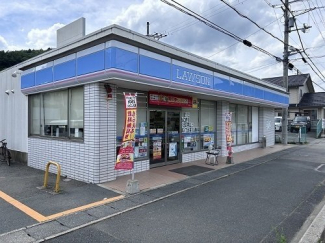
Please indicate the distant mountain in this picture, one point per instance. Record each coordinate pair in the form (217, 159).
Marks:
(11, 58)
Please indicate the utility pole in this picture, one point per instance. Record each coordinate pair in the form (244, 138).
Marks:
(156, 36)
(285, 71)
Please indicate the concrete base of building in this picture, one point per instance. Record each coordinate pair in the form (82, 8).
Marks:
(18, 156)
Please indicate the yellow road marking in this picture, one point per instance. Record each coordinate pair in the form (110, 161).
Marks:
(40, 218)
(57, 215)
(22, 207)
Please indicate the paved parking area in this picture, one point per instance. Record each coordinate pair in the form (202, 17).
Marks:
(22, 202)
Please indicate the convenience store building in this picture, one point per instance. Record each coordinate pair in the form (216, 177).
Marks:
(72, 104)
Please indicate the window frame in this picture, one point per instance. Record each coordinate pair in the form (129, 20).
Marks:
(249, 123)
(42, 116)
(214, 132)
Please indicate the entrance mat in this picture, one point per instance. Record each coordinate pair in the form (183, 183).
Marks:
(191, 170)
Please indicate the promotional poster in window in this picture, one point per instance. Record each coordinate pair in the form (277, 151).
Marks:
(125, 157)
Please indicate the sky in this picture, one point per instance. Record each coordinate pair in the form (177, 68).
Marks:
(33, 24)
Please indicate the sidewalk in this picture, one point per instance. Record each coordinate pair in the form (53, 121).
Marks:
(162, 176)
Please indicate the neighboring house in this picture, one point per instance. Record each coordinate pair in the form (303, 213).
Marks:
(313, 104)
(299, 86)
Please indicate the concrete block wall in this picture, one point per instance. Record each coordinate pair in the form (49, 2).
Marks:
(105, 134)
(245, 147)
(190, 157)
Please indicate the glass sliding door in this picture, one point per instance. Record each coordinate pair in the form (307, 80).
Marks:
(157, 137)
(173, 128)
(164, 137)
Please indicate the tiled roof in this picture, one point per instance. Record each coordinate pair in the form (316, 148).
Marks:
(293, 80)
(313, 100)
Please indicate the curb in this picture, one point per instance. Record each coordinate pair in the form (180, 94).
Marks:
(316, 229)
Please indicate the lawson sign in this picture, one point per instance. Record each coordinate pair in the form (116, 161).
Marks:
(192, 77)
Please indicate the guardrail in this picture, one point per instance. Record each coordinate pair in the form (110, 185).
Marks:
(46, 176)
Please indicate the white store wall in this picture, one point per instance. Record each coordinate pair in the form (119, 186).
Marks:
(13, 112)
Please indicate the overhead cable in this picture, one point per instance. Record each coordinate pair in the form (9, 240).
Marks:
(290, 66)
(244, 16)
(207, 22)
(303, 49)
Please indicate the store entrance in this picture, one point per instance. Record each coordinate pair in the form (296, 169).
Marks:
(164, 137)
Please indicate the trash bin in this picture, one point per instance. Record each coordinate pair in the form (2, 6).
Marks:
(264, 141)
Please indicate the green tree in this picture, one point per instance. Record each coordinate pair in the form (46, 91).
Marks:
(11, 58)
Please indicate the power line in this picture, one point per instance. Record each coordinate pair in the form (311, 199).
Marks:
(282, 41)
(260, 67)
(238, 42)
(303, 49)
(261, 28)
(186, 24)
(207, 22)
(244, 16)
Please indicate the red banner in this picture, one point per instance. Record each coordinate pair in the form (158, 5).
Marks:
(228, 133)
(125, 157)
(156, 98)
(228, 128)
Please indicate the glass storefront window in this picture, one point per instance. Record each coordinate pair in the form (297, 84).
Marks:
(242, 124)
(190, 130)
(250, 124)
(208, 115)
(35, 114)
(56, 113)
(76, 112)
(141, 136)
(50, 114)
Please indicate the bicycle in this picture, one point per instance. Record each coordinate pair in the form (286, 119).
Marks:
(4, 152)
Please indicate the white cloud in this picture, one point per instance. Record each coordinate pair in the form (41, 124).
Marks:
(43, 38)
(3, 43)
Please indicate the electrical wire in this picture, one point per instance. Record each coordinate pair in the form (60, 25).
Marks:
(256, 24)
(186, 24)
(303, 47)
(261, 28)
(260, 67)
(312, 16)
(238, 42)
(207, 22)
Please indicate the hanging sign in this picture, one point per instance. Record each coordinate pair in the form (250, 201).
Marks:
(156, 98)
(125, 157)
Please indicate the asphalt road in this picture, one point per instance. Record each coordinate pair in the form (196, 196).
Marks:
(259, 204)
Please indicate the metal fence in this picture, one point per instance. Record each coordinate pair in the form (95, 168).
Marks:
(319, 128)
(302, 135)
